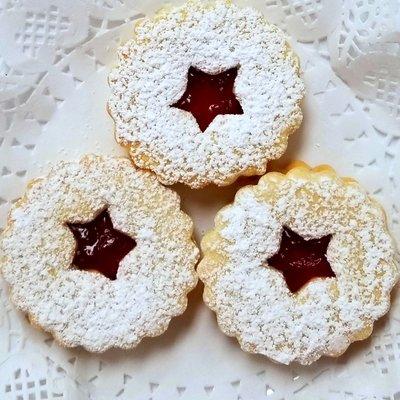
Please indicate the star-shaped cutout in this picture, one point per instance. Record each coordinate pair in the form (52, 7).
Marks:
(99, 246)
(301, 260)
(207, 96)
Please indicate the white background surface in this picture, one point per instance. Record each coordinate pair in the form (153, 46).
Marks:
(54, 60)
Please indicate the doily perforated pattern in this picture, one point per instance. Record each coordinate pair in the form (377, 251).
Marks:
(54, 60)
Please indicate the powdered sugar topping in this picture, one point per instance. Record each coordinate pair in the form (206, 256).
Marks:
(85, 308)
(252, 300)
(152, 75)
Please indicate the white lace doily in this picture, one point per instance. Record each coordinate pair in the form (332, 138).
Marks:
(54, 60)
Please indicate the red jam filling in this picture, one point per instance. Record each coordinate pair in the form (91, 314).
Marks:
(207, 96)
(301, 260)
(99, 246)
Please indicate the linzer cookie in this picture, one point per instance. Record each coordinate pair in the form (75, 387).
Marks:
(205, 93)
(99, 254)
(299, 266)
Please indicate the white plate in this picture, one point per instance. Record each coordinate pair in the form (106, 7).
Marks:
(54, 60)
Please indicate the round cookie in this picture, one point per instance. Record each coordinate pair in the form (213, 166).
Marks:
(99, 254)
(299, 266)
(205, 93)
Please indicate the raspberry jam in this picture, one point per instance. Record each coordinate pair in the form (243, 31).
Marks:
(301, 260)
(99, 246)
(207, 96)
